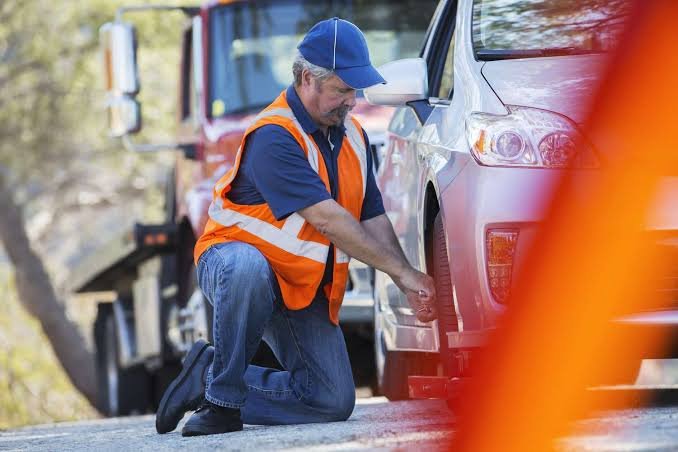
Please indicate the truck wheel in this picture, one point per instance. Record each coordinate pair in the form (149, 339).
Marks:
(121, 391)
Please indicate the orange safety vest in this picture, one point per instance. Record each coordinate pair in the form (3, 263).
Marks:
(296, 251)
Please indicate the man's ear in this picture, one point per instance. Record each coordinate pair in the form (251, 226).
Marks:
(306, 78)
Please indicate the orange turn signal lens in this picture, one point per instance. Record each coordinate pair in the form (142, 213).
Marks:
(501, 246)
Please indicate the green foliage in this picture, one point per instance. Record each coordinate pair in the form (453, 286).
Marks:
(64, 170)
(33, 386)
(51, 90)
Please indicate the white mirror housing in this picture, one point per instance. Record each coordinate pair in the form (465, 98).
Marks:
(119, 48)
(124, 115)
(406, 81)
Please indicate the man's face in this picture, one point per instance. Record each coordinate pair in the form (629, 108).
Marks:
(331, 100)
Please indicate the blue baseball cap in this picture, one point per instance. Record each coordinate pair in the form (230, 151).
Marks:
(339, 45)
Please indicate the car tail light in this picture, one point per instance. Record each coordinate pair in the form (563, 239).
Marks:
(528, 137)
(501, 246)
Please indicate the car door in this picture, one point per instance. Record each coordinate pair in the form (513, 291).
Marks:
(404, 172)
(397, 180)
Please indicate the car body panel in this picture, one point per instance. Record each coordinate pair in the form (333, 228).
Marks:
(554, 83)
(474, 198)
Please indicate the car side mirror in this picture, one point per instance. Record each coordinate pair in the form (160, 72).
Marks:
(406, 81)
(119, 49)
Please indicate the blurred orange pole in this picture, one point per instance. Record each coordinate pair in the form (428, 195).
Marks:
(592, 261)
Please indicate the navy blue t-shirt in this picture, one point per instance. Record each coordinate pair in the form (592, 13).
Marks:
(274, 170)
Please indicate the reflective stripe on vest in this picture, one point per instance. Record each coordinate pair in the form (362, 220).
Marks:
(285, 238)
(357, 140)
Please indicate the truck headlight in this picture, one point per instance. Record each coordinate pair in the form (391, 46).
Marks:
(528, 137)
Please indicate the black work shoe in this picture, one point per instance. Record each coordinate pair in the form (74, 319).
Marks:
(187, 390)
(211, 419)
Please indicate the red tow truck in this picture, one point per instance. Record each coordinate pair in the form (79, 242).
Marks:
(236, 57)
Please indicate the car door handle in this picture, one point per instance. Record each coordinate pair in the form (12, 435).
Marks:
(396, 158)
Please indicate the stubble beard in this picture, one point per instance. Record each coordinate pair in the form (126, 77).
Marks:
(340, 112)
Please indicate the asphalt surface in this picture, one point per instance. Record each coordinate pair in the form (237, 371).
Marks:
(375, 424)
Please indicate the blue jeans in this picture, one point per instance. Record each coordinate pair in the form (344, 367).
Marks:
(317, 383)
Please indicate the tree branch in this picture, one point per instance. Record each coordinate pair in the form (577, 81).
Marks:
(38, 296)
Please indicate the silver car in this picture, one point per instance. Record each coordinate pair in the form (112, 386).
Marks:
(487, 119)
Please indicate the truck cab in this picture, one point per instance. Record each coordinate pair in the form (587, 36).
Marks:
(236, 57)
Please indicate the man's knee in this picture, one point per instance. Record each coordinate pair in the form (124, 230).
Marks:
(247, 261)
(245, 270)
(245, 276)
(345, 405)
(339, 404)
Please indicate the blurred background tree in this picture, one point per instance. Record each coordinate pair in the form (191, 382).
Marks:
(65, 187)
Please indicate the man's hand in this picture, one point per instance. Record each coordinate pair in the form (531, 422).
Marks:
(420, 292)
(378, 248)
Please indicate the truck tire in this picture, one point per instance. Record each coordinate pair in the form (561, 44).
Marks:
(121, 392)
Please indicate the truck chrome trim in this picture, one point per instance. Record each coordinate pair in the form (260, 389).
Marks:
(198, 70)
(126, 349)
(147, 308)
(356, 308)
(170, 291)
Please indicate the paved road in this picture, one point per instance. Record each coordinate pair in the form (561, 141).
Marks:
(375, 424)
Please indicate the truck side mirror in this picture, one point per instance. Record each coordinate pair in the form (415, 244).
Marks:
(119, 49)
(124, 115)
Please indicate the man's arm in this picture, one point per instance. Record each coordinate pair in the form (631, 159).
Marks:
(380, 229)
(335, 223)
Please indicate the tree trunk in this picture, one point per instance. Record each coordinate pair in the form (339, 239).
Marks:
(37, 295)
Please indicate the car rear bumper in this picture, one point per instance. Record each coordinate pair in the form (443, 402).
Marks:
(482, 199)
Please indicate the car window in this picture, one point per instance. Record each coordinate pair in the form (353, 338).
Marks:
(536, 28)
(440, 60)
(447, 77)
